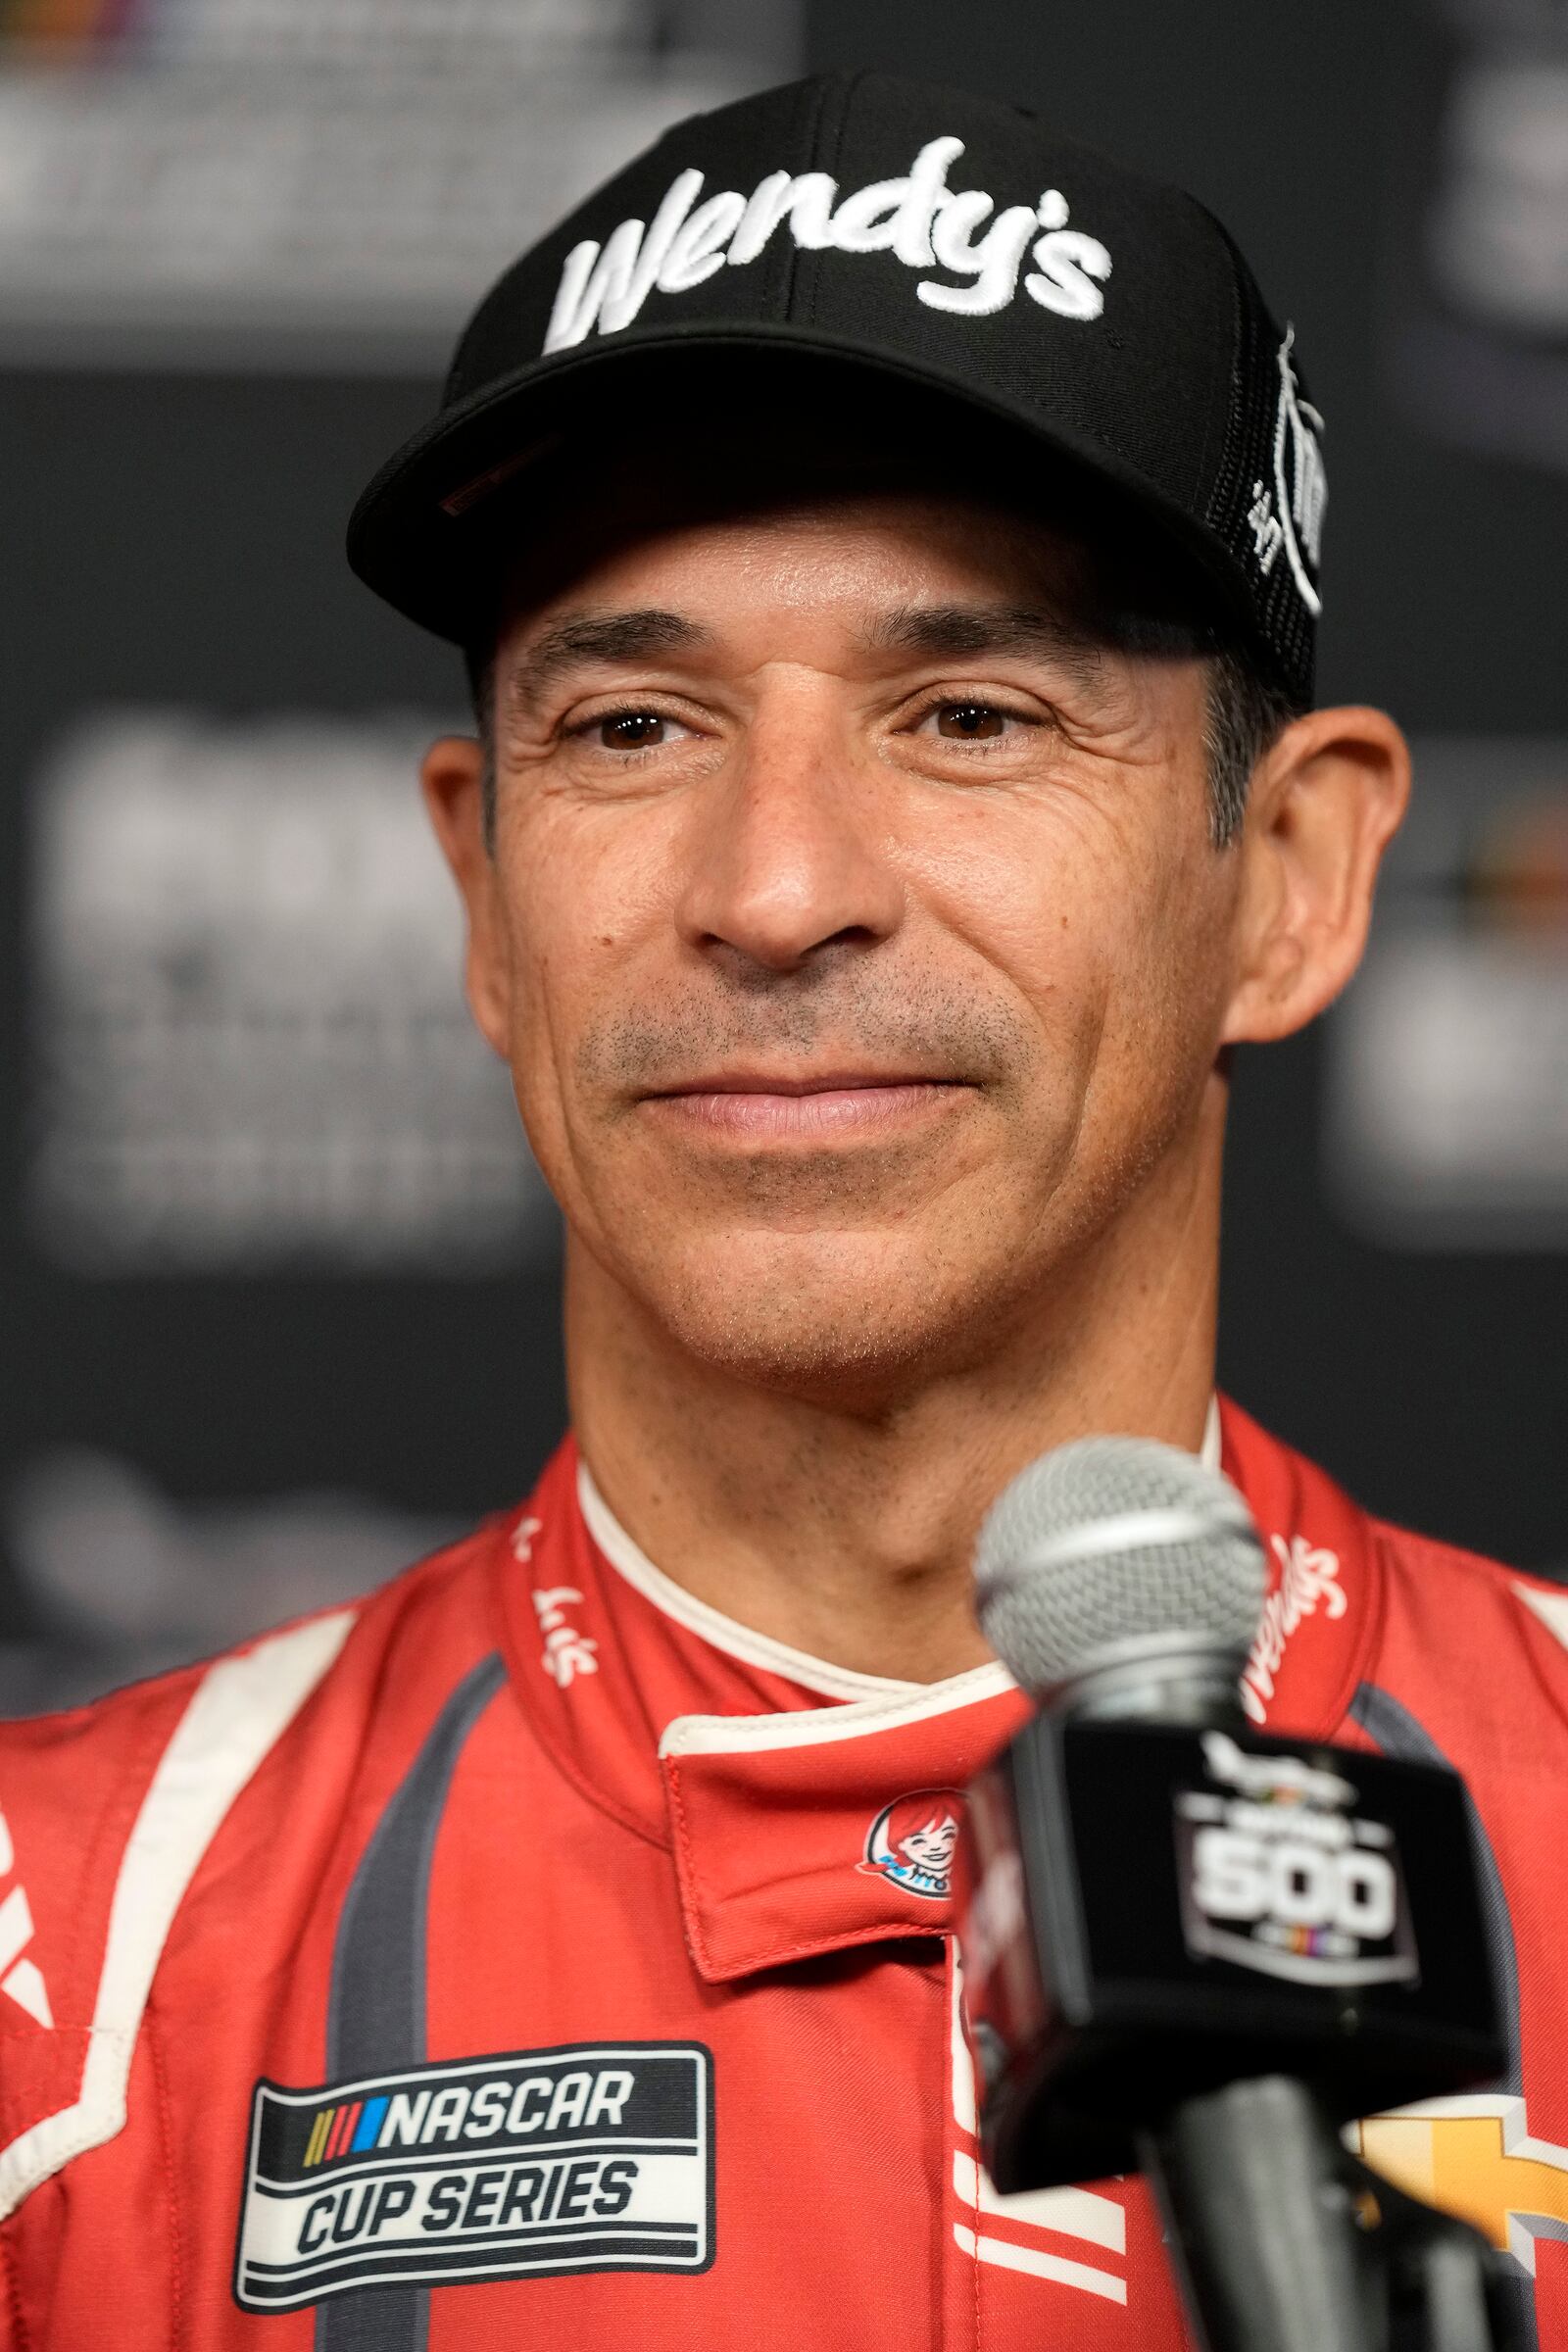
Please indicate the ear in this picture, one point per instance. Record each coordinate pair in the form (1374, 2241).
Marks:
(1326, 800)
(453, 779)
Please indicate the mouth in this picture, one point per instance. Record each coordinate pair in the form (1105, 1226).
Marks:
(762, 1104)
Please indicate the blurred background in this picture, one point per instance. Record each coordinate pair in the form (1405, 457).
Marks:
(279, 1280)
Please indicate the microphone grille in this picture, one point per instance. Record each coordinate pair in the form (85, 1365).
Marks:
(1106, 1540)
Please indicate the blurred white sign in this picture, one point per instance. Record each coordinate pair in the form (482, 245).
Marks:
(1499, 229)
(1447, 1118)
(250, 1044)
(1479, 316)
(121, 1582)
(322, 183)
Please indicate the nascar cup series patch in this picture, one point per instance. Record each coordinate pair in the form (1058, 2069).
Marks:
(595, 2157)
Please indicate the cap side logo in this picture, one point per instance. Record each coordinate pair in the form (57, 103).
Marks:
(1287, 516)
(916, 217)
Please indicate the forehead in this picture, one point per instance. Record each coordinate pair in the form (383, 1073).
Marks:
(817, 549)
(848, 507)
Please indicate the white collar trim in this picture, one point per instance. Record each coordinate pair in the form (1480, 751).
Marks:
(723, 1633)
(887, 1693)
(815, 1727)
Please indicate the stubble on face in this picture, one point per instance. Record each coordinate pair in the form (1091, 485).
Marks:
(857, 1277)
(814, 1287)
(851, 1276)
(844, 1008)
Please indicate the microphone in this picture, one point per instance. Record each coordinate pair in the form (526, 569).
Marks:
(1118, 1575)
(1194, 1949)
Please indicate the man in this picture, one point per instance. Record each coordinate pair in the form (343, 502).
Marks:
(885, 542)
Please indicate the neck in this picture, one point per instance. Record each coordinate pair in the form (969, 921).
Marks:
(850, 1535)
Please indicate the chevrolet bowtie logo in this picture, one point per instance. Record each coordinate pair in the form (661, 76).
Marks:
(1474, 2157)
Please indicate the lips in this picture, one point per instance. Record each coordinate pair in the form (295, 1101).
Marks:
(826, 1105)
(815, 1082)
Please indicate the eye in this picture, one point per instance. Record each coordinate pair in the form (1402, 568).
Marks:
(632, 730)
(970, 721)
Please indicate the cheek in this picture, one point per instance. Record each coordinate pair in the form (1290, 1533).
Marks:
(1041, 910)
(1163, 1002)
(583, 898)
(1113, 937)
(562, 904)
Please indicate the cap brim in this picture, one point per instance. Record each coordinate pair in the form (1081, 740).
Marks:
(423, 534)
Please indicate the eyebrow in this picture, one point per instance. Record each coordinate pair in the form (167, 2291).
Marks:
(947, 631)
(937, 631)
(584, 637)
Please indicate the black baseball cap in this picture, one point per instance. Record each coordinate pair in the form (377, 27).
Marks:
(916, 236)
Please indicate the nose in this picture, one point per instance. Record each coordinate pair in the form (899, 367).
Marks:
(789, 856)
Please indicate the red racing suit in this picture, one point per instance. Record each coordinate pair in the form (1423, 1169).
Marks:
(531, 1955)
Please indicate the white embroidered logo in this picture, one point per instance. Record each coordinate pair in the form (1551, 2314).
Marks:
(1308, 1576)
(567, 1652)
(20, 1977)
(918, 217)
(1300, 483)
(1268, 532)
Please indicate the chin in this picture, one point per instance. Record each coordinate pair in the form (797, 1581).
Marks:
(841, 1319)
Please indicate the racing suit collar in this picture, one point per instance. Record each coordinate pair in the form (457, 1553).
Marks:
(790, 1830)
(804, 1804)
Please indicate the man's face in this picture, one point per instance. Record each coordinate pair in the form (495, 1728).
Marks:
(854, 934)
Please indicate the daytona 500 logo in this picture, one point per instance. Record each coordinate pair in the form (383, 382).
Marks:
(1277, 1873)
(595, 2157)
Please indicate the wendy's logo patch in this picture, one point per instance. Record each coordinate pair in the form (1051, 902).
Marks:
(912, 1842)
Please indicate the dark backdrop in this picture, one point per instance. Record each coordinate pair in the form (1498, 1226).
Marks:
(174, 542)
